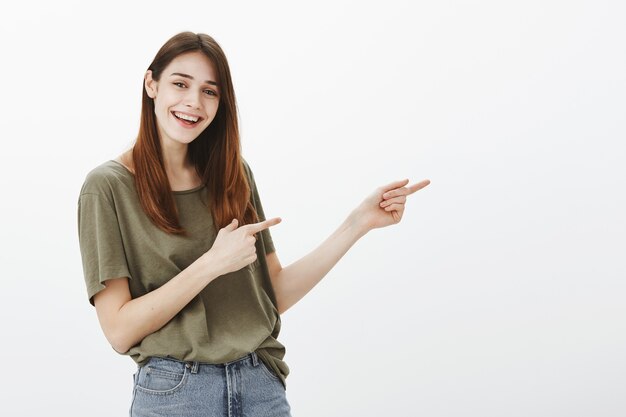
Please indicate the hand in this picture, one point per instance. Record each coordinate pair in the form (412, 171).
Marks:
(385, 206)
(234, 247)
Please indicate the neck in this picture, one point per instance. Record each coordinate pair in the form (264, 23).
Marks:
(175, 157)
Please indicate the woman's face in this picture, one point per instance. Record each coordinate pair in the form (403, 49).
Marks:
(185, 98)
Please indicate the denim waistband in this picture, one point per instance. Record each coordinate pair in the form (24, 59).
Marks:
(195, 366)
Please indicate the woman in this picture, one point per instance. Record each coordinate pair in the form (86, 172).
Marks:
(177, 255)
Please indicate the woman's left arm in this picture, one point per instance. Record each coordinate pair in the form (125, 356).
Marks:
(383, 207)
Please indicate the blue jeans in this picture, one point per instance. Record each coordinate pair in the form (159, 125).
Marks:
(242, 388)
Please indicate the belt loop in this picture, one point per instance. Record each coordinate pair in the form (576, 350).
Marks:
(255, 359)
(193, 366)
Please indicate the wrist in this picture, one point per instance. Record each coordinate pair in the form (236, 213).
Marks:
(206, 267)
(356, 222)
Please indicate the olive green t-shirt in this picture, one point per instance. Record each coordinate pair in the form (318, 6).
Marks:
(231, 317)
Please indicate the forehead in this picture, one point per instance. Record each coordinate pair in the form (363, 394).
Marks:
(195, 64)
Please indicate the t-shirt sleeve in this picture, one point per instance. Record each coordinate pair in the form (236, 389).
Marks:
(100, 242)
(268, 243)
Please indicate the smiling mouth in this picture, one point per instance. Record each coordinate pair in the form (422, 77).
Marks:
(187, 119)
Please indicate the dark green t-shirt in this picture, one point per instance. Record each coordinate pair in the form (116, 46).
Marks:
(231, 317)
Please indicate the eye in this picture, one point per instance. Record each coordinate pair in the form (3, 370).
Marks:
(210, 92)
(179, 84)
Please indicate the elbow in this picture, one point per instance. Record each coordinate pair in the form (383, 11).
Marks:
(121, 349)
(119, 343)
(119, 335)
(281, 307)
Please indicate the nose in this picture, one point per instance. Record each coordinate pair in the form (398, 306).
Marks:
(192, 99)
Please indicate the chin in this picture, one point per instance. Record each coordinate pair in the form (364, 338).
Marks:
(184, 136)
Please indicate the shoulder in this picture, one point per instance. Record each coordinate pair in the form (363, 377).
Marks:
(248, 171)
(106, 179)
(246, 165)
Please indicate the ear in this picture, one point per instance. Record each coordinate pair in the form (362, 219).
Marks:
(150, 84)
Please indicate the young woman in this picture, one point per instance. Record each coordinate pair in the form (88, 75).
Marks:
(177, 254)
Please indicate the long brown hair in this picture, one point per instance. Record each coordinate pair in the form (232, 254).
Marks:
(215, 153)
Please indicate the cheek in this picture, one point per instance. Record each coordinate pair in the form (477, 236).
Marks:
(162, 114)
(214, 105)
(211, 109)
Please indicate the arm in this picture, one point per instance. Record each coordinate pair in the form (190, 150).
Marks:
(296, 280)
(383, 207)
(126, 321)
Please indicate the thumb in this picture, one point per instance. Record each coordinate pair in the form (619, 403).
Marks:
(232, 225)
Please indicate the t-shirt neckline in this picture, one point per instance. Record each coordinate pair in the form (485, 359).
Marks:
(192, 190)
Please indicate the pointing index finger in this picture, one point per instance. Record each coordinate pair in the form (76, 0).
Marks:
(257, 227)
(395, 184)
(416, 187)
(407, 190)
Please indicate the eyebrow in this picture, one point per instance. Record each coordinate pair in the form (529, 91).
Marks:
(191, 78)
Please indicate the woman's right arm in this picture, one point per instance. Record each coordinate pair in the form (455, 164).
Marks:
(126, 321)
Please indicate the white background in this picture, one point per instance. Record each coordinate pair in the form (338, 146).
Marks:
(501, 293)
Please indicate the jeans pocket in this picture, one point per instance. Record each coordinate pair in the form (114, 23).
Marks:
(267, 371)
(152, 379)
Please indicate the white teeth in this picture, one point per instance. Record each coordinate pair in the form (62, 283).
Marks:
(186, 117)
